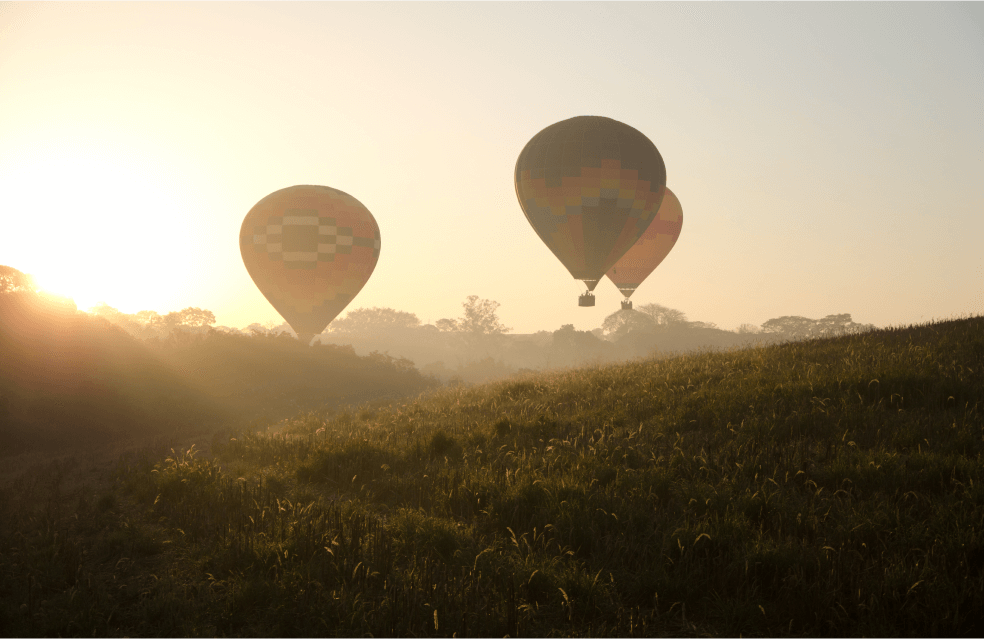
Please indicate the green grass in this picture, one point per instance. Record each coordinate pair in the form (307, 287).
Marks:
(829, 487)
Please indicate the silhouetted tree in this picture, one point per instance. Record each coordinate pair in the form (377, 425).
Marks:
(177, 321)
(375, 321)
(840, 324)
(789, 327)
(23, 304)
(149, 324)
(571, 346)
(147, 317)
(662, 315)
(701, 325)
(796, 327)
(446, 325)
(196, 317)
(137, 324)
(480, 318)
(12, 280)
(622, 322)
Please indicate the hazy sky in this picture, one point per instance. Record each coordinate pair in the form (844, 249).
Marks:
(829, 157)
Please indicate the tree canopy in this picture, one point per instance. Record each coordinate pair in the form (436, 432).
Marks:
(13, 281)
(571, 346)
(662, 315)
(374, 321)
(190, 317)
(623, 321)
(479, 318)
(152, 323)
(798, 327)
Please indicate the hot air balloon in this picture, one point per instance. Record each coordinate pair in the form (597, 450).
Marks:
(647, 253)
(310, 250)
(589, 186)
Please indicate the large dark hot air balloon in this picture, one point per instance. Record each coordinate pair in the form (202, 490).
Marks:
(590, 186)
(650, 249)
(310, 250)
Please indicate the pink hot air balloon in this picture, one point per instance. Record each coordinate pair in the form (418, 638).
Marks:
(651, 248)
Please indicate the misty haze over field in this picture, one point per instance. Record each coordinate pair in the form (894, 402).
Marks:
(477, 346)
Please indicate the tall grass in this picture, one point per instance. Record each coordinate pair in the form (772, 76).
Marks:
(829, 487)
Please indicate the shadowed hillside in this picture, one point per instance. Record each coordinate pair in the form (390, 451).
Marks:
(267, 378)
(826, 487)
(68, 378)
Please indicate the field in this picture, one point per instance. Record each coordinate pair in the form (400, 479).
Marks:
(827, 487)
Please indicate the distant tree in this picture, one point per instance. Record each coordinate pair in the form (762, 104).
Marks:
(571, 346)
(446, 325)
(840, 324)
(373, 321)
(701, 325)
(104, 310)
(790, 327)
(147, 318)
(565, 335)
(746, 329)
(196, 317)
(662, 315)
(13, 281)
(269, 329)
(479, 318)
(796, 327)
(19, 290)
(256, 329)
(283, 328)
(622, 322)
(112, 315)
(177, 321)
(143, 324)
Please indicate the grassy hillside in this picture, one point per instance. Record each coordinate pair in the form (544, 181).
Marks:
(830, 487)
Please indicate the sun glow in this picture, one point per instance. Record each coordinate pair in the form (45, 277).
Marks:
(70, 285)
(94, 227)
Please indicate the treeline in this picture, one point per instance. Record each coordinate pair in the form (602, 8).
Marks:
(477, 347)
(70, 378)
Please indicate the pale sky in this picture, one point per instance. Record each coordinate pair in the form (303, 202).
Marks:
(829, 157)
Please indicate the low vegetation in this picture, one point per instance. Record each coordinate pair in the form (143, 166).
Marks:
(825, 487)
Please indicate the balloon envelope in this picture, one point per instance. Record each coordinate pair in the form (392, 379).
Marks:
(589, 186)
(310, 250)
(654, 245)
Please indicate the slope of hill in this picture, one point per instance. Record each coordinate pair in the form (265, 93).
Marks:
(828, 487)
(67, 378)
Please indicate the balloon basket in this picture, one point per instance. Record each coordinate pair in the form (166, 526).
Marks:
(626, 305)
(588, 299)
